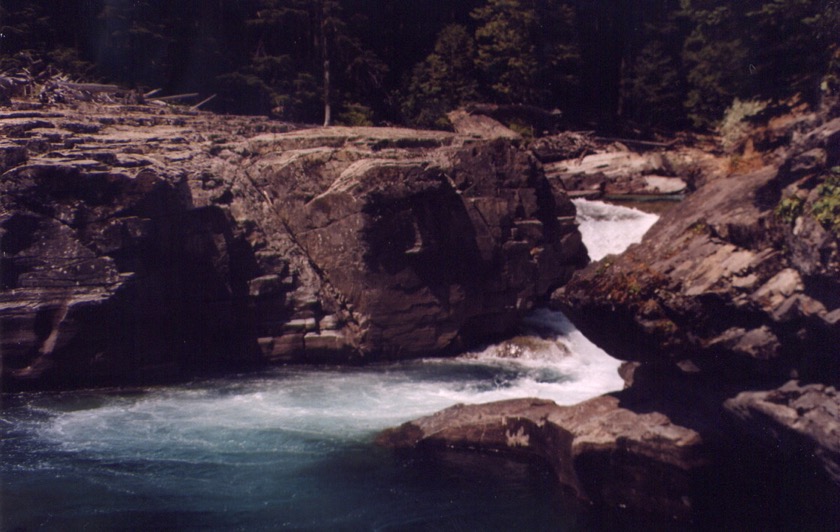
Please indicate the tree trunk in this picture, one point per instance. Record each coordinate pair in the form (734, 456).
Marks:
(327, 110)
(325, 50)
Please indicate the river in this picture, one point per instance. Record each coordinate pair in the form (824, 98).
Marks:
(291, 447)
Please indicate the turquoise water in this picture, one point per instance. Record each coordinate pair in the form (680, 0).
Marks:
(290, 449)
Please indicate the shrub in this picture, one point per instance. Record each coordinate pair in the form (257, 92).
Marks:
(826, 209)
(789, 209)
(734, 127)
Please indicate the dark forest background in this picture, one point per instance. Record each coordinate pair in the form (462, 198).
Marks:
(648, 64)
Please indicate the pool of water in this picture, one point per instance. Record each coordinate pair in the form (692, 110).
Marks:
(292, 447)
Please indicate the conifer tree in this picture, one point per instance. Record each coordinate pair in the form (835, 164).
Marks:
(444, 80)
(652, 85)
(558, 54)
(137, 40)
(716, 57)
(506, 56)
(789, 52)
(303, 56)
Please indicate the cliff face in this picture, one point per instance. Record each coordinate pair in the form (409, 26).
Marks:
(139, 242)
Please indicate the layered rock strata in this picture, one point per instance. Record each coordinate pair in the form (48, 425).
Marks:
(742, 281)
(738, 290)
(605, 451)
(142, 241)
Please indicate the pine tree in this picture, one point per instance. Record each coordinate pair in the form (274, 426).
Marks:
(138, 40)
(789, 53)
(652, 85)
(25, 26)
(445, 80)
(716, 58)
(558, 55)
(506, 55)
(304, 58)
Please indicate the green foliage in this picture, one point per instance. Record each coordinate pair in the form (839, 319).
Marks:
(445, 80)
(305, 53)
(506, 55)
(356, 114)
(523, 128)
(770, 49)
(137, 40)
(716, 59)
(734, 126)
(27, 28)
(789, 209)
(558, 53)
(699, 228)
(245, 92)
(67, 60)
(652, 63)
(789, 46)
(651, 87)
(826, 209)
(523, 51)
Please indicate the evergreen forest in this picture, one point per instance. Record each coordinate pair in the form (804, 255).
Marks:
(645, 64)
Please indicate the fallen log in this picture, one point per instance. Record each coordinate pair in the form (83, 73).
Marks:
(89, 87)
(202, 102)
(176, 97)
(650, 143)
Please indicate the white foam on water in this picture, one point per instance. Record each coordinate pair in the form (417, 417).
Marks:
(551, 360)
(610, 229)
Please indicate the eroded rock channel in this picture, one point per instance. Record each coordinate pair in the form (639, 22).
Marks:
(141, 243)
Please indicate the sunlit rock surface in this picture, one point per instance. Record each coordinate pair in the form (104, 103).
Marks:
(606, 451)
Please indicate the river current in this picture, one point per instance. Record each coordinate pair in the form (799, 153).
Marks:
(292, 447)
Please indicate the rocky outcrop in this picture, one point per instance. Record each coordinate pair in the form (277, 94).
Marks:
(798, 421)
(739, 289)
(728, 297)
(479, 126)
(613, 450)
(670, 451)
(743, 280)
(142, 241)
(593, 167)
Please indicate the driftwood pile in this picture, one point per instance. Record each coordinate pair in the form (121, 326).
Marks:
(47, 84)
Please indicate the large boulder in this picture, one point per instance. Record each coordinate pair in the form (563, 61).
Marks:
(612, 451)
(668, 452)
(140, 241)
(108, 277)
(416, 243)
